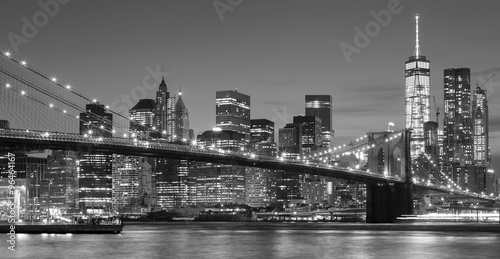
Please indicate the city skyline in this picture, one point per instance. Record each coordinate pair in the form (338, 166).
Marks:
(296, 56)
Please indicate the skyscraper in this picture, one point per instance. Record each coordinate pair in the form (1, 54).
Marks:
(481, 132)
(95, 177)
(164, 117)
(216, 183)
(310, 135)
(260, 183)
(131, 178)
(181, 119)
(458, 124)
(321, 106)
(62, 169)
(232, 112)
(417, 97)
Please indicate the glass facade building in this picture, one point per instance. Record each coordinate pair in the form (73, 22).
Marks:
(417, 98)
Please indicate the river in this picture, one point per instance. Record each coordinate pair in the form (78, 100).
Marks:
(256, 240)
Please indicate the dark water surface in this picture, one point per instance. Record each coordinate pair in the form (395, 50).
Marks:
(256, 240)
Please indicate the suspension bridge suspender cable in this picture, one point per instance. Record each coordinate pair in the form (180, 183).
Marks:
(45, 92)
(74, 92)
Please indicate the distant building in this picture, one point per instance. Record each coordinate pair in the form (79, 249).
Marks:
(232, 112)
(321, 107)
(95, 175)
(417, 97)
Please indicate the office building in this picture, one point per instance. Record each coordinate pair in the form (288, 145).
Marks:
(165, 114)
(181, 119)
(232, 112)
(260, 183)
(142, 119)
(95, 174)
(321, 107)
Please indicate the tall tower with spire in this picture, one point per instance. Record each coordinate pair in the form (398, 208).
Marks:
(164, 116)
(417, 96)
(181, 118)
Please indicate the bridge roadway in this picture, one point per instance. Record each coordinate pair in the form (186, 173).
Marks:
(24, 139)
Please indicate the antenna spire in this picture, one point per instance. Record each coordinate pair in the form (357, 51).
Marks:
(417, 48)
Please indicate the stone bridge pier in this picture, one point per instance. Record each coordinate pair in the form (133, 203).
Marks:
(391, 157)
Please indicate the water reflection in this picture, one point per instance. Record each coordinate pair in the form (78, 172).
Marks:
(248, 240)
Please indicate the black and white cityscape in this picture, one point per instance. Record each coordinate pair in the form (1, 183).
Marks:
(238, 129)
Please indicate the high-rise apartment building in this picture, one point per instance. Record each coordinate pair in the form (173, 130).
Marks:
(417, 97)
(458, 122)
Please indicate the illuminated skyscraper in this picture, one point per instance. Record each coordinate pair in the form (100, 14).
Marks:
(181, 119)
(417, 97)
(232, 112)
(480, 117)
(321, 106)
(95, 169)
(458, 123)
(260, 183)
(165, 117)
(142, 118)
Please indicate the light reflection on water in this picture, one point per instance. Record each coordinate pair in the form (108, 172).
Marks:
(256, 240)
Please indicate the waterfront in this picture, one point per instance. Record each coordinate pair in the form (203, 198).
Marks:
(258, 240)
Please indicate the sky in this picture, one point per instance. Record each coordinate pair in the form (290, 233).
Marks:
(275, 51)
